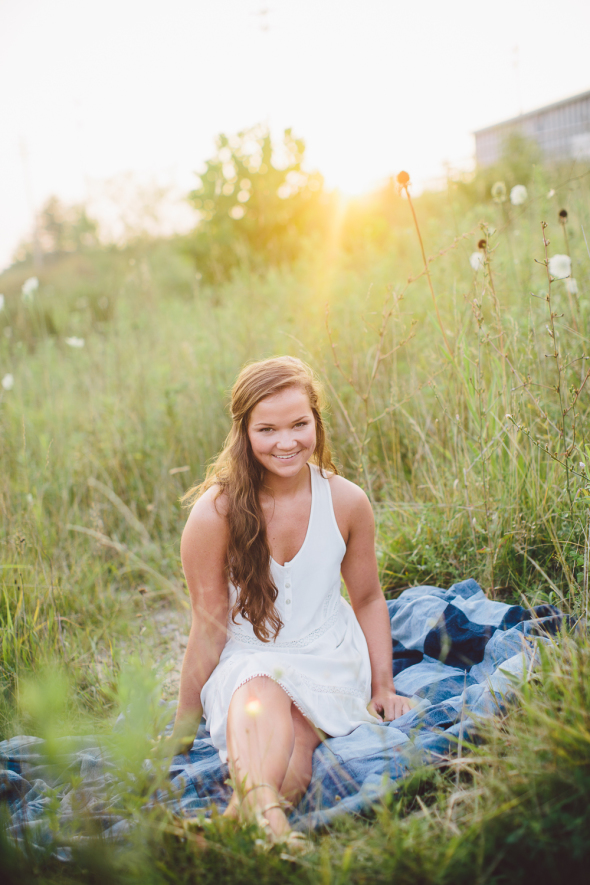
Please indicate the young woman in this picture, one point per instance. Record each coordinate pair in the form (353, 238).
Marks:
(278, 659)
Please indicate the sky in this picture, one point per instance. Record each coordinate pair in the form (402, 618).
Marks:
(92, 92)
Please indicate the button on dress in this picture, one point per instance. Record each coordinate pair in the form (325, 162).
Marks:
(320, 657)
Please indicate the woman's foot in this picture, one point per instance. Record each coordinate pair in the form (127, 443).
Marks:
(263, 803)
(233, 808)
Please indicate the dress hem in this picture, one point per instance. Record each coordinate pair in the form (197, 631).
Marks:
(285, 689)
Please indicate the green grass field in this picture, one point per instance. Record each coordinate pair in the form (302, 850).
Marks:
(473, 452)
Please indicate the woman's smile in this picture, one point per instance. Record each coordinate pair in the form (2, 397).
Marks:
(282, 431)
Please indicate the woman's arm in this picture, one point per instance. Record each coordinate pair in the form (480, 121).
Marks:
(203, 551)
(360, 573)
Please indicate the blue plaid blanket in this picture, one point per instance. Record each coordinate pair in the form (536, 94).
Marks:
(455, 652)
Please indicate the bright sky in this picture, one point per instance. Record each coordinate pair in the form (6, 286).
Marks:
(94, 89)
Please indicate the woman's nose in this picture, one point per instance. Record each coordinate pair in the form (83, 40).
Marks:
(286, 441)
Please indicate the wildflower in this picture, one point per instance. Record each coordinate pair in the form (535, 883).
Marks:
(482, 244)
(499, 192)
(563, 216)
(571, 286)
(2, 302)
(8, 382)
(29, 288)
(75, 342)
(476, 260)
(518, 195)
(403, 179)
(560, 266)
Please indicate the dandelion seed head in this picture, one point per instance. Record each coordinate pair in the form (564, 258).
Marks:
(518, 195)
(29, 287)
(75, 342)
(499, 192)
(8, 381)
(571, 286)
(403, 178)
(476, 260)
(550, 194)
(560, 266)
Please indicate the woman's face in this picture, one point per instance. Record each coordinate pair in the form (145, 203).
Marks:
(282, 432)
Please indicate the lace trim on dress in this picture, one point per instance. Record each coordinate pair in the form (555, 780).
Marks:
(292, 643)
(278, 681)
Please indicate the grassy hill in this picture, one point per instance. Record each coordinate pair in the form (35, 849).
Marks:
(116, 370)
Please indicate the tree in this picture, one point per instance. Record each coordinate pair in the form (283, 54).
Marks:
(256, 202)
(60, 228)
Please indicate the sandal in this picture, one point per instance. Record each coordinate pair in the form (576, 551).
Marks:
(296, 843)
(263, 822)
(195, 824)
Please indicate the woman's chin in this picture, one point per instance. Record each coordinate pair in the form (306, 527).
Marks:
(287, 466)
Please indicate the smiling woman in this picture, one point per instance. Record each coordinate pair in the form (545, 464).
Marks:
(278, 659)
(276, 436)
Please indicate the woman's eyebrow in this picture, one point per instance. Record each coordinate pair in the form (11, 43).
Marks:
(270, 424)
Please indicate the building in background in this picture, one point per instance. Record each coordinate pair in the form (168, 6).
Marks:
(561, 130)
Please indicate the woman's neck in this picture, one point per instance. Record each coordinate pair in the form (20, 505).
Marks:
(286, 486)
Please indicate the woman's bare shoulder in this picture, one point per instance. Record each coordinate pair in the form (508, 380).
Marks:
(346, 491)
(350, 502)
(207, 521)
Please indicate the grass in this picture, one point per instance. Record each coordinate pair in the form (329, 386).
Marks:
(98, 443)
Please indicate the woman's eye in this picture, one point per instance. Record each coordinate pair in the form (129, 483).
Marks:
(302, 424)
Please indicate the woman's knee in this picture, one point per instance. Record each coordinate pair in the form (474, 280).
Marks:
(259, 694)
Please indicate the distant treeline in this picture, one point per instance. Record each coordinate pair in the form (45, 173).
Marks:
(257, 207)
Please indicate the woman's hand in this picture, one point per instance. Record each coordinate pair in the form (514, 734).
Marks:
(165, 747)
(388, 705)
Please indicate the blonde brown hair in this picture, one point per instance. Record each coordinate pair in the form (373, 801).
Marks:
(239, 477)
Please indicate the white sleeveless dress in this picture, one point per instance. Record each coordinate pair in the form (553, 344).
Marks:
(320, 657)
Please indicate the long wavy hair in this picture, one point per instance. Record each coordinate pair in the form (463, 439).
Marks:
(239, 477)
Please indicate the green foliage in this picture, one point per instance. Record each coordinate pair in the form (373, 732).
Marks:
(97, 443)
(515, 807)
(371, 223)
(520, 163)
(257, 204)
(60, 228)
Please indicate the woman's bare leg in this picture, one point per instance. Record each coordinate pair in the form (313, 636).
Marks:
(298, 774)
(260, 743)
